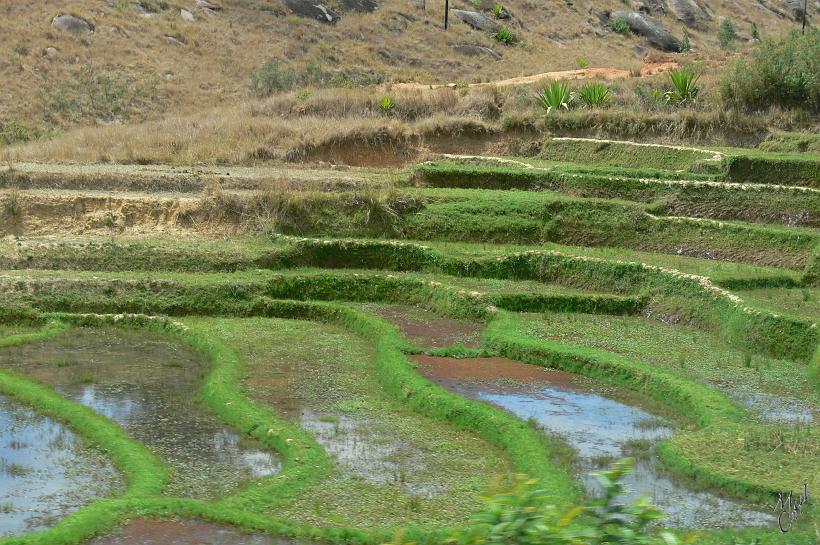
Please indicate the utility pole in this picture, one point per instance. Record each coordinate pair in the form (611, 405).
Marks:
(447, 13)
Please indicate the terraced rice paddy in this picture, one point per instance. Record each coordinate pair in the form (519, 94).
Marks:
(366, 368)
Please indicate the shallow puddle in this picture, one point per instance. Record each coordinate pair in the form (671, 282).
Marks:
(149, 385)
(429, 330)
(600, 428)
(179, 532)
(45, 472)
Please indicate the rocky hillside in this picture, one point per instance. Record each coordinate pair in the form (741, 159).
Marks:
(73, 62)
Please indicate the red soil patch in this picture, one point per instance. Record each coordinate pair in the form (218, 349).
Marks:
(492, 370)
(429, 330)
(649, 68)
(186, 532)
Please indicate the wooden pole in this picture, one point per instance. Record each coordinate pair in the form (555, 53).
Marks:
(446, 13)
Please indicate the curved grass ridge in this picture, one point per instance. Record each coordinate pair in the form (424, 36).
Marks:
(709, 409)
(197, 294)
(305, 461)
(688, 296)
(143, 472)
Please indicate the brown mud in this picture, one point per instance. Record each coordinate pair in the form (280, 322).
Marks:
(179, 532)
(429, 330)
(491, 371)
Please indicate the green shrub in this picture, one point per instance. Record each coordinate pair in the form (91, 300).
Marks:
(582, 62)
(525, 516)
(779, 72)
(555, 95)
(686, 91)
(498, 10)
(504, 35)
(12, 132)
(619, 25)
(595, 95)
(755, 31)
(91, 95)
(386, 104)
(271, 78)
(726, 34)
(685, 44)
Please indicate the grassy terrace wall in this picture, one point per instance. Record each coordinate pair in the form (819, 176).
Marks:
(681, 296)
(733, 165)
(667, 292)
(630, 155)
(672, 197)
(774, 169)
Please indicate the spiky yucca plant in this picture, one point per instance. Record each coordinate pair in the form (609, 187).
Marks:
(555, 95)
(686, 91)
(595, 95)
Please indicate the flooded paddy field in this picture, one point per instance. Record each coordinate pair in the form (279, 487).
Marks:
(178, 532)
(390, 465)
(773, 390)
(601, 423)
(359, 447)
(46, 472)
(149, 385)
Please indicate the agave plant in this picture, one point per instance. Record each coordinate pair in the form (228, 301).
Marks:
(684, 81)
(555, 95)
(386, 104)
(595, 95)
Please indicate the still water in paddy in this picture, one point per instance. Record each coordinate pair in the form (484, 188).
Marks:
(598, 425)
(149, 385)
(45, 471)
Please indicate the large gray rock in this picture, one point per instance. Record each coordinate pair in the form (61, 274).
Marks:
(476, 20)
(650, 7)
(70, 23)
(771, 10)
(313, 9)
(364, 6)
(472, 50)
(210, 6)
(795, 8)
(650, 28)
(689, 13)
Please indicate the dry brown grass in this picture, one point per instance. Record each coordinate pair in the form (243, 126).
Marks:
(399, 42)
(348, 126)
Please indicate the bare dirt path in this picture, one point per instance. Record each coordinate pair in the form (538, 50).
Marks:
(648, 69)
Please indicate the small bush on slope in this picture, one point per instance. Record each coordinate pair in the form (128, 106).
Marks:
(784, 72)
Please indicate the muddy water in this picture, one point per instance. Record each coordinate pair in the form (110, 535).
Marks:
(601, 428)
(45, 472)
(149, 385)
(178, 532)
(427, 329)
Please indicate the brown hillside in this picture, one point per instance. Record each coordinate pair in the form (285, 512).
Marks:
(148, 57)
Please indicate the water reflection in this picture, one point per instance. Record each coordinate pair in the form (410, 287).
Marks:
(599, 428)
(149, 385)
(45, 472)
